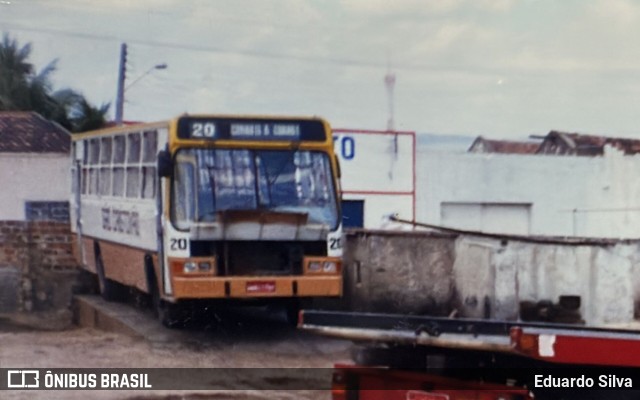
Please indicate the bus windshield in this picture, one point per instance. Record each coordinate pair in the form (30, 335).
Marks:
(208, 181)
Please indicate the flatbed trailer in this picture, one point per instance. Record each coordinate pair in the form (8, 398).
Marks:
(413, 357)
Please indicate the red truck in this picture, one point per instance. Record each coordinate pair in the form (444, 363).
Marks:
(409, 357)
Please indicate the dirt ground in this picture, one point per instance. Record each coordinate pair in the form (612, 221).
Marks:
(244, 342)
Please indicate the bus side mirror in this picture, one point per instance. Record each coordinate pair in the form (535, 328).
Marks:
(165, 165)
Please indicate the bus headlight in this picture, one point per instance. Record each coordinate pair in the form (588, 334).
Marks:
(330, 266)
(204, 266)
(190, 266)
(322, 265)
(193, 266)
(315, 266)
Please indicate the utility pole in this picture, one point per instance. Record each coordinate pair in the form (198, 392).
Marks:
(121, 77)
(390, 81)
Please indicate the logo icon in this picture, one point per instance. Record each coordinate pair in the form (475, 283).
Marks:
(23, 378)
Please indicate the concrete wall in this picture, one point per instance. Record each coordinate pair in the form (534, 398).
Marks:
(568, 196)
(409, 272)
(434, 274)
(31, 177)
(494, 278)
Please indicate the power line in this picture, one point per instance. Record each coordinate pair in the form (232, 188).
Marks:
(255, 53)
(480, 70)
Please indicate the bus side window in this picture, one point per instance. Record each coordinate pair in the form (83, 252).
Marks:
(94, 151)
(133, 182)
(118, 181)
(118, 149)
(149, 146)
(148, 182)
(133, 148)
(183, 198)
(105, 181)
(105, 151)
(119, 155)
(149, 151)
(93, 180)
(85, 179)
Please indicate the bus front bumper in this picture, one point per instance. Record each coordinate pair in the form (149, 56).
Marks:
(256, 287)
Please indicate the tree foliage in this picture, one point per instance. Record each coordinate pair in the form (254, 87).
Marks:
(22, 88)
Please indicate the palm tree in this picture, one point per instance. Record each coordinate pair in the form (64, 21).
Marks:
(21, 88)
(85, 117)
(14, 74)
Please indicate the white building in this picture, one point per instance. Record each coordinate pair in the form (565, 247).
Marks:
(529, 194)
(378, 176)
(34, 167)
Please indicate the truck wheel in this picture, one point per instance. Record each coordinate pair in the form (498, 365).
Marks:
(109, 290)
(293, 307)
(408, 357)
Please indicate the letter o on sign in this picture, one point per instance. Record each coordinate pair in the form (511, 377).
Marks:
(348, 148)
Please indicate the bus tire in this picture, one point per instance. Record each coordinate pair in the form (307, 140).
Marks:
(109, 290)
(152, 284)
(170, 315)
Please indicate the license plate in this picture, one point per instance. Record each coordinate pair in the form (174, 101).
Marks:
(261, 287)
(416, 395)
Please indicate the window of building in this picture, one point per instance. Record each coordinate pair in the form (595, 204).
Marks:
(353, 213)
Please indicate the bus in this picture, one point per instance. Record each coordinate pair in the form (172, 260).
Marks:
(205, 209)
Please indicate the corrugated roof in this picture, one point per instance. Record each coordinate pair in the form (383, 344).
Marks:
(28, 132)
(483, 145)
(574, 143)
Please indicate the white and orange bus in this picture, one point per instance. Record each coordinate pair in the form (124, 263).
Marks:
(206, 207)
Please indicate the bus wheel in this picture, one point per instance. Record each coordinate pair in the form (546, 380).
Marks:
(109, 290)
(170, 315)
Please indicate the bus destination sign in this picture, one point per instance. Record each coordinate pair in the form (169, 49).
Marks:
(259, 131)
(250, 129)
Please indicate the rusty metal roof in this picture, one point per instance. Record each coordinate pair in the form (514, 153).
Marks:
(483, 145)
(28, 132)
(557, 142)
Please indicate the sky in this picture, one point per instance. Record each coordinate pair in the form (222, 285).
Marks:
(498, 68)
